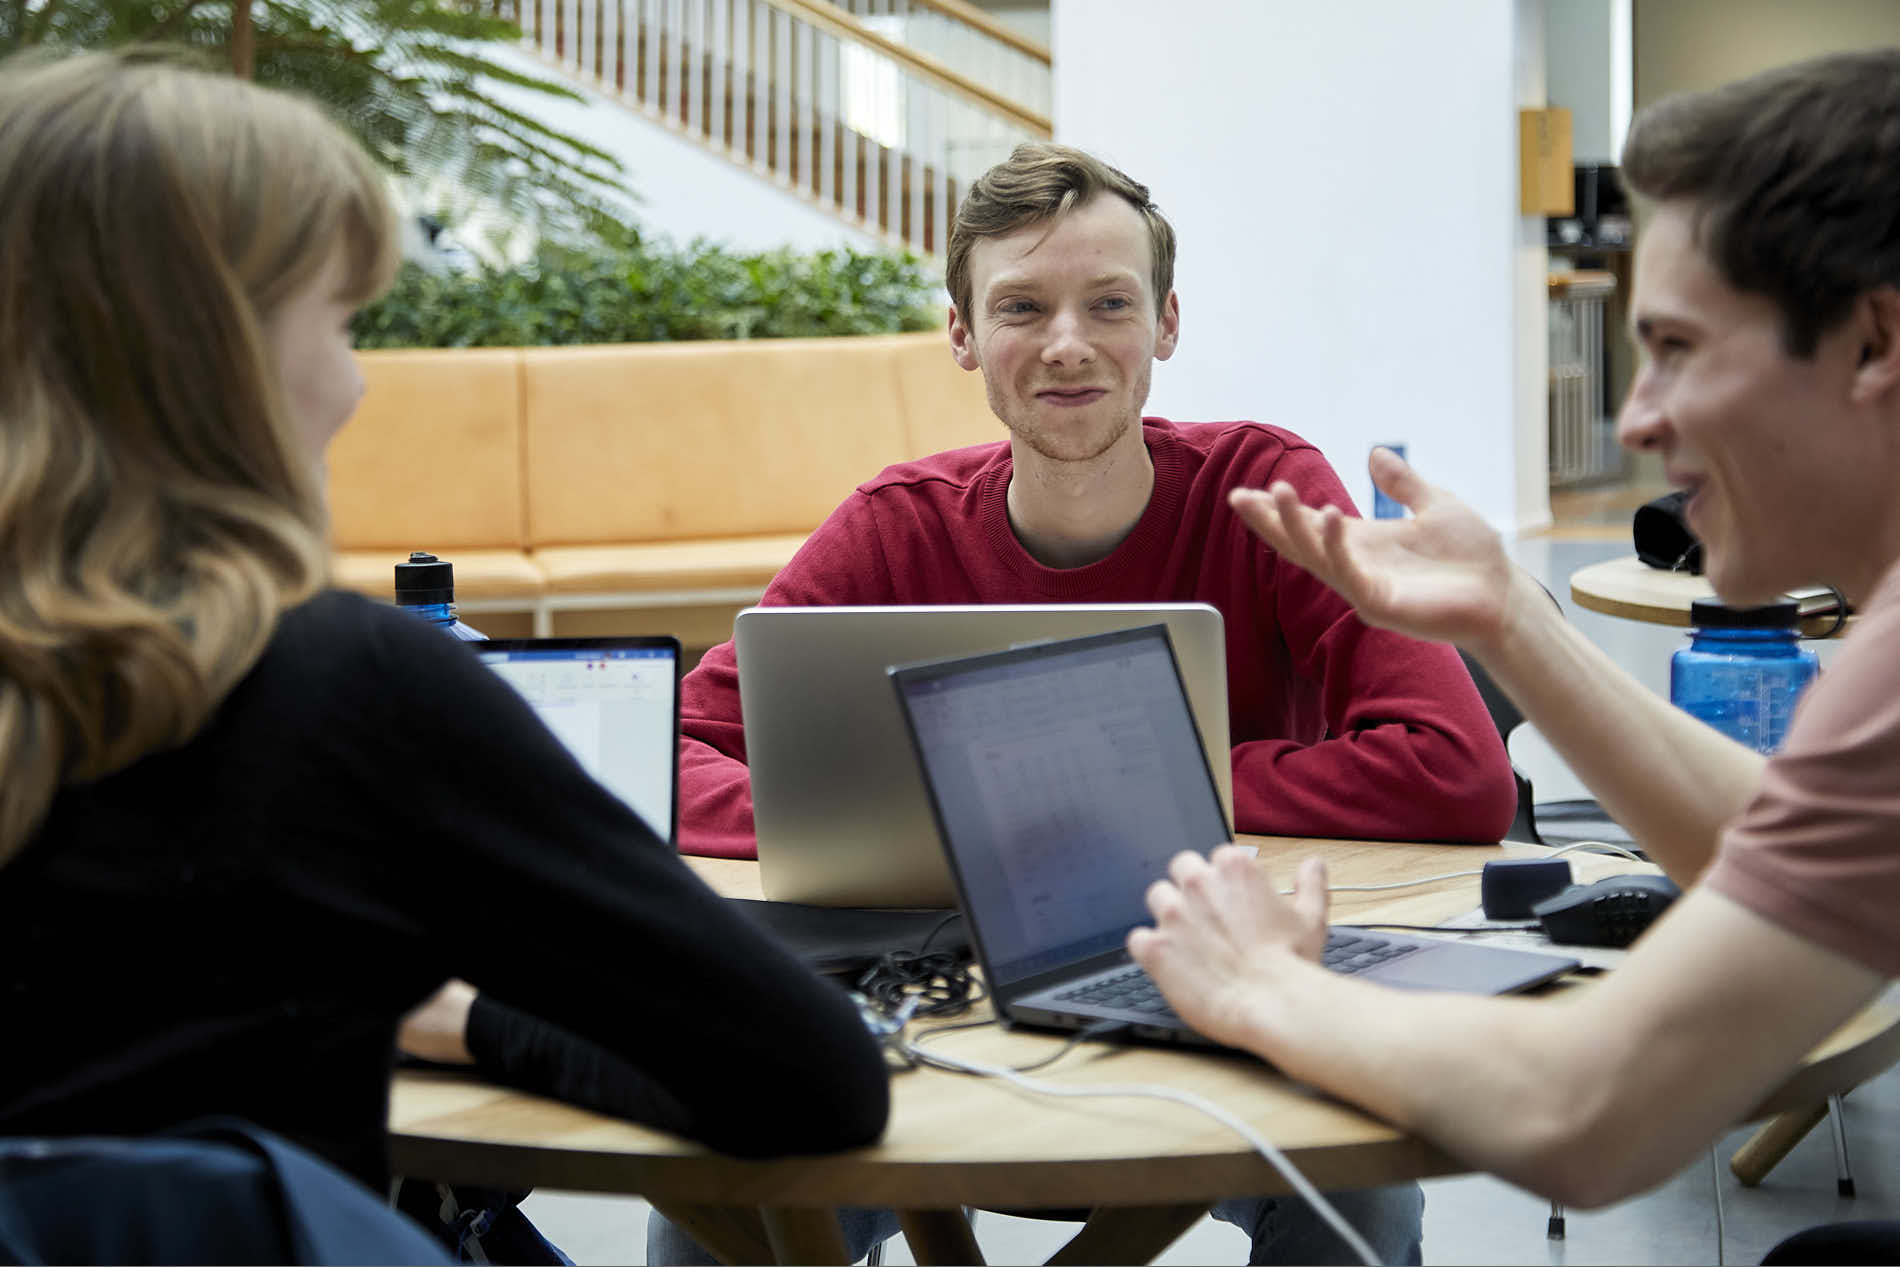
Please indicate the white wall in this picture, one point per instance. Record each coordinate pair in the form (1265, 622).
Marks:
(1342, 175)
(1587, 55)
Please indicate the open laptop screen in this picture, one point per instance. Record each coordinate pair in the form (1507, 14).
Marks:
(1065, 777)
(614, 703)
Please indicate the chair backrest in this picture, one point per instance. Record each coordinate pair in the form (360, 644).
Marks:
(218, 1191)
(1506, 716)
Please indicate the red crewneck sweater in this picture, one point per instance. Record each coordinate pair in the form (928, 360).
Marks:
(1338, 729)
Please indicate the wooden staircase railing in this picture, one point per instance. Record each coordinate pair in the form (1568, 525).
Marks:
(834, 101)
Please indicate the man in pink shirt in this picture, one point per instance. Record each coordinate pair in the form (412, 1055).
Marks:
(1767, 307)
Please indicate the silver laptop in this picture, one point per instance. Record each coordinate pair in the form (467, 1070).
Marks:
(840, 810)
(1063, 778)
(614, 704)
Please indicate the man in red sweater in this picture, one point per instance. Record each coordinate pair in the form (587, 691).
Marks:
(1061, 276)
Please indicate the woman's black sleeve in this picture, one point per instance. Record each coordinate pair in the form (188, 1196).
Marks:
(519, 1050)
(517, 871)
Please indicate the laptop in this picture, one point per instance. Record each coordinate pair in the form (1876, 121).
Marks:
(614, 703)
(839, 807)
(1063, 778)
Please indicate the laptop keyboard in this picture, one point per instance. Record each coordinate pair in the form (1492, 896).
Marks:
(1354, 952)
(1131, 989)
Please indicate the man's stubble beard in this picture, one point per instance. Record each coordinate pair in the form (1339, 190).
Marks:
(1054, 449)
(1047, 443)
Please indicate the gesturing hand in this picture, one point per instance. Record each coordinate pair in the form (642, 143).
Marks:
(1441, 574)
(1222, 931)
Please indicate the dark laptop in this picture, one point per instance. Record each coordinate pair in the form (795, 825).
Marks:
(614, 703)
(1064, 776)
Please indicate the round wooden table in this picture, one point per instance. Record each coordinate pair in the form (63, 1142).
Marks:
(1629, 588)
(1148, 1170)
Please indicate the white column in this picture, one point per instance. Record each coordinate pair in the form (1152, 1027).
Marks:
(1343, 178)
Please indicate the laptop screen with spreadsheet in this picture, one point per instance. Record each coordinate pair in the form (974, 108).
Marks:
(1065, 776)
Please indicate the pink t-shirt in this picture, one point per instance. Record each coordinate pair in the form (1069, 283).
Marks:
(1817, 850)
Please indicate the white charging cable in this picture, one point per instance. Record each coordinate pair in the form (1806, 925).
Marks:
(1598, 846)
(1278, 1160)
(1603, 845)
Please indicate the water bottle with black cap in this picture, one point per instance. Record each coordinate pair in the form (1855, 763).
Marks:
(1742, 670)
(425, 585)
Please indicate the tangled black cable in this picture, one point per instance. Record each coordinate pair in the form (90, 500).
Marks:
(939, 980)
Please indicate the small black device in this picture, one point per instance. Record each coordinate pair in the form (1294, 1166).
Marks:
(1512, 886)
(1611, 912)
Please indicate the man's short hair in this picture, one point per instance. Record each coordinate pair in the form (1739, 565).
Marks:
(1038, 181)
(1794, 177)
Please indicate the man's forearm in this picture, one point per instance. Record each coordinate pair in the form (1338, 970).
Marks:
(1394, 782)
(1591, 1096)
(715, 813)
(1671, 780)
(1477, 1077)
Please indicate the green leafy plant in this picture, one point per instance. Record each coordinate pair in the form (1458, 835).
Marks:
(637, 291)
(411, 78)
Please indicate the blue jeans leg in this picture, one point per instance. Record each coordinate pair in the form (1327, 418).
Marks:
(668, 1245)
(1288, 1230)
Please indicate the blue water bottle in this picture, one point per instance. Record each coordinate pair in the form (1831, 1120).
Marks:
(426, 586)
(1742, 671)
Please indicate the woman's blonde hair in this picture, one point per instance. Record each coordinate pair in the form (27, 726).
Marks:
(156, 513)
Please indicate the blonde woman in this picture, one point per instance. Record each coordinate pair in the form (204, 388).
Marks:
(246, 823)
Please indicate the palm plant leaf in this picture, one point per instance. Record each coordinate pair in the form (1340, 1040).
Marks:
(413, 79)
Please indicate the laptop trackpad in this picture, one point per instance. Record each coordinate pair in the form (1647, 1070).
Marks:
(1468, 969)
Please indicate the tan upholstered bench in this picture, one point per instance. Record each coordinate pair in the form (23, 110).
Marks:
(649, 485)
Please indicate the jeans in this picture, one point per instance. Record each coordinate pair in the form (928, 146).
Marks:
(1283, 1229)
(1288, 1230)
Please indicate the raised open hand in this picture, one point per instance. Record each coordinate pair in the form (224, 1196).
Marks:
(1440, 574)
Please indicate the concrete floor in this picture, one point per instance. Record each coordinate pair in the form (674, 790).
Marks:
(1478, 1219)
